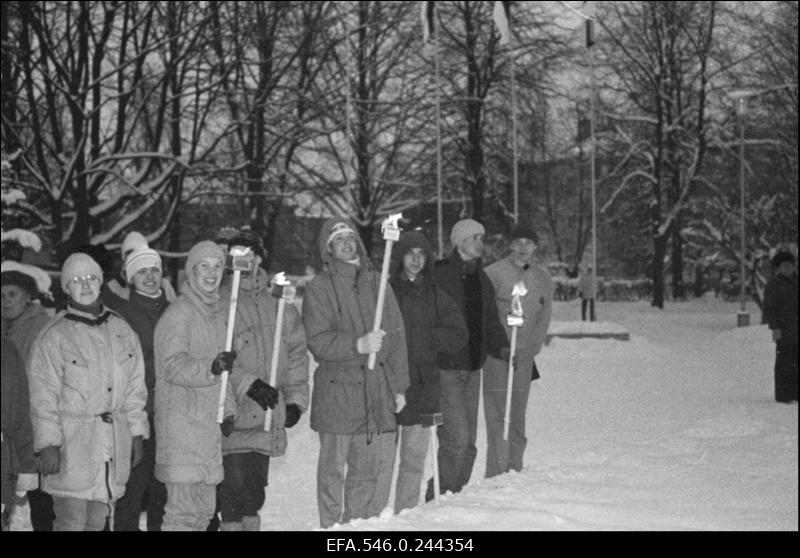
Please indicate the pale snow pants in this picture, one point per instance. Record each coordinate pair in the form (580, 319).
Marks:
(505, 455)
(190, 506)
(459, 398)
(354, 478)
(76, 514)
(414, 442)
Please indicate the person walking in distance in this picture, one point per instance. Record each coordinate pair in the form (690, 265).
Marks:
(586, 290)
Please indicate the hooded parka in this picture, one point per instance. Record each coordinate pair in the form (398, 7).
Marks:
(338, 309)
(24, 329)
(434, 324)
(88, 396)
(255, 328)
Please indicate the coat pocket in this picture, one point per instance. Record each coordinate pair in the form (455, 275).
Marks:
(76, 382)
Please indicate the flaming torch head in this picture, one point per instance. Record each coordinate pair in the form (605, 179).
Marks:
(390, 229)
(281, 287)
(515, 314)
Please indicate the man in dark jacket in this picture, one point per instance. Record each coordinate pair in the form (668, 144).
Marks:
(142, 310)
(352, 407)
(463, 278)
(434, 325)
(780, 314)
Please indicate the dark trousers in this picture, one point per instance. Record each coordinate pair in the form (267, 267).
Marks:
(785, 372)
(590, 302)
(241, 492)
(142, 491)
(459, 398)
(42, 514)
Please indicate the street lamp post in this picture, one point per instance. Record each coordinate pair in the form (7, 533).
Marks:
(740, 97)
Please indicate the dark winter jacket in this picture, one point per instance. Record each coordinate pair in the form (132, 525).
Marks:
(16, 450)
(780, 306)
(434, 325)
(142, 314)
(24, 329)
(473, 293)
(339, 308)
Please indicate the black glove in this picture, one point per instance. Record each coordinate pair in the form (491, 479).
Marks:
(227, 425)
(505, 353)
(224, 361)
(293, 413)
(534, 372)
(263, 394)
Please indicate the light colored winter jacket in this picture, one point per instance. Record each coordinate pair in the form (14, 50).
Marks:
(188, 337)
(586, 286)
(254, 334)
(338, 308)
(88, 396)
(537, 304)
(24, 329)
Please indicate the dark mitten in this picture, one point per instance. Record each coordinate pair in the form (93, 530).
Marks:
(227, 425)
(534, 372)
(293, 413)
(224, 361)
(263, 394)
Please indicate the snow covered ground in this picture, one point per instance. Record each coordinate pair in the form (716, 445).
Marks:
(675, 429)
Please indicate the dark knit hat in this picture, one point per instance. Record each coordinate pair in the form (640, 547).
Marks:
(248, 237)
(523, 231)
(21, 280)
(780, 257)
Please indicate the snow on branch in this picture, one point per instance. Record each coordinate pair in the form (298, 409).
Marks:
(24, 238)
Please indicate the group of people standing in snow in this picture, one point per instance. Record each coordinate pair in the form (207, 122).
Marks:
(112, 405)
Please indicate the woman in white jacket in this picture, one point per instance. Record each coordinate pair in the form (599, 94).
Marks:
(87, 402)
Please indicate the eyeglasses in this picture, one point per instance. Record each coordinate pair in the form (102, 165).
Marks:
(87, 278)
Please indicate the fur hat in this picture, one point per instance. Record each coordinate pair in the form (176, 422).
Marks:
(523, 231)
(140, 258)
(132, 241)
(79, 265)
(21, 280)
(465, 229)
(780, 257)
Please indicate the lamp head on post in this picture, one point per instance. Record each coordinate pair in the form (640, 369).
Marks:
(740, 97)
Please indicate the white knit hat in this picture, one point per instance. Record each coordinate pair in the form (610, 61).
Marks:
(132, 241)
(338, 229)
(79, 265)
(140, 258)
(465, 229)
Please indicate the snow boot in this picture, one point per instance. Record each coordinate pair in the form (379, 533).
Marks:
(251, 523)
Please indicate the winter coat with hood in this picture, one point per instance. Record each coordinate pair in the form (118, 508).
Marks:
(16, 447)
(537, 303)
(24, 329)
(254, 334)
(188, 338)
(88, 395)
(434, 325)
(339, 308)
(486, 333)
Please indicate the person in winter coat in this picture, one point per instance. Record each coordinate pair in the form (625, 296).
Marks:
(88, 395)
(586, 291)
(23, 319)
(462, 276)
(780, 314)
(118, 289)
(18, 464)
(246, 452)
(189, 359)
(433, 325)
(505, 455)
(352, 407)
(145, 305)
